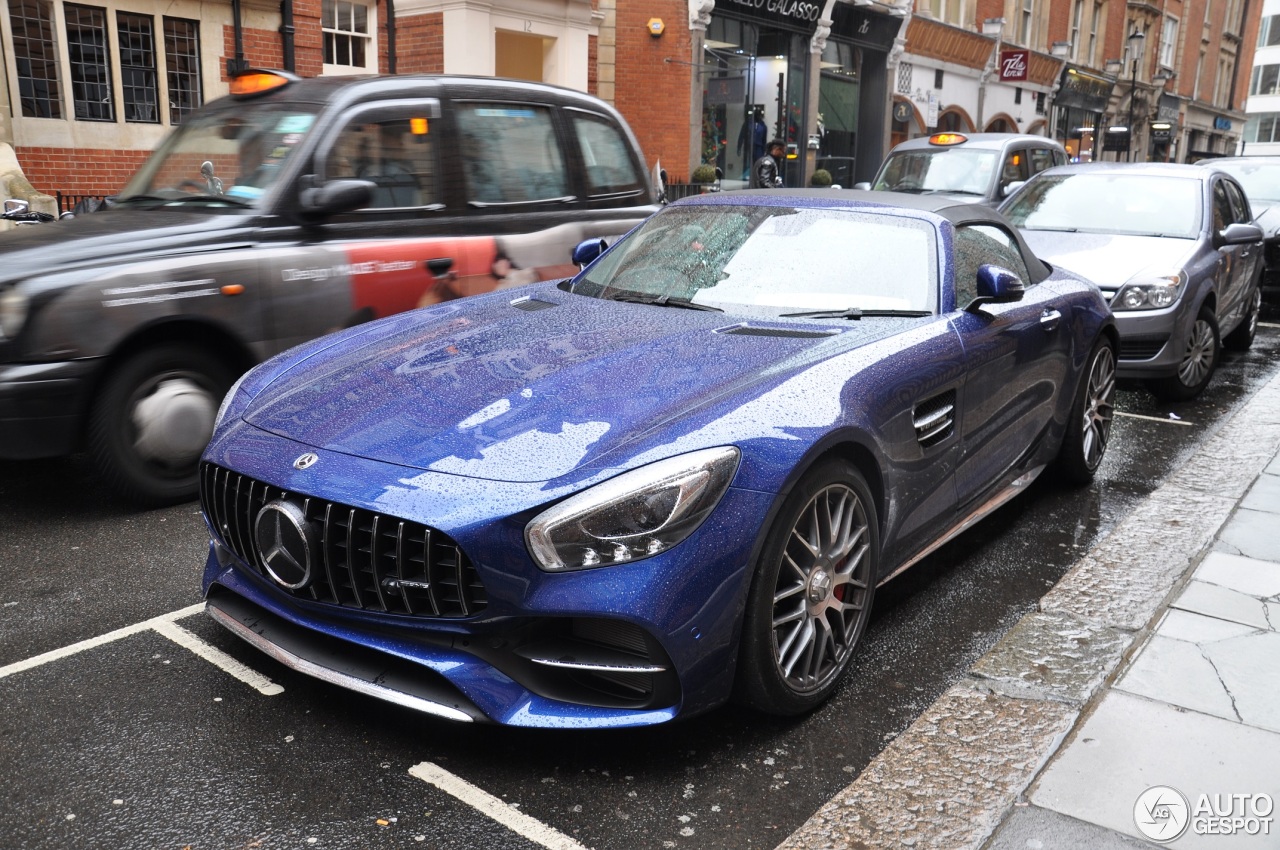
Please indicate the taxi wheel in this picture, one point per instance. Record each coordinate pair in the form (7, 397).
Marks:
(1199, 360)
(152, 419)
(811, 596)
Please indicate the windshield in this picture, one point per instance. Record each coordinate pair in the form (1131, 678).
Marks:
(1109, 202)
(772, 260)
(964, 170)
(227, 157)
(1261, 181)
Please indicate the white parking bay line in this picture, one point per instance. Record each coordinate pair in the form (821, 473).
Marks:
(1268, 325)
(219, 659)
(1154, 418)
(514, 820)
(167, 626)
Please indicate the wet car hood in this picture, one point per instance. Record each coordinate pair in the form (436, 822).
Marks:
(117, 235)
(1109, 260)
(491, 391)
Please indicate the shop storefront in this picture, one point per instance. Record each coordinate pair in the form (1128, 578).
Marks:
(853, 93)
(756, 65)
(1078, 109)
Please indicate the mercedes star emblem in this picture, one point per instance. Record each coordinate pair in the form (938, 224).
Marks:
(306, 461)
(286, 543)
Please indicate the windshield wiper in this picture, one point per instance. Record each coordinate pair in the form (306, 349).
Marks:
(1055, 229)
(661, 301)
(854, 313)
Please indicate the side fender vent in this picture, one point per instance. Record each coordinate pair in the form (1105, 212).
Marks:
(935, 419)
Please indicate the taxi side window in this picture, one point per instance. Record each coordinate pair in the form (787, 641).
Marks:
(1042, 158)
(606, 156)
(396, 154)
(1015, 168)
(976, 245)
(510, 154)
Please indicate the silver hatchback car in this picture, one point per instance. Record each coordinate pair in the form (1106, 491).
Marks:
(1174, 249)
(981, 168)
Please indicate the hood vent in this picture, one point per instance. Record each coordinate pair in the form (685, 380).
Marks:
(935, 419)
(791, 333)
(532, 305)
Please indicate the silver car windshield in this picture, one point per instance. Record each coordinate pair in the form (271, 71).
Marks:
(223, 157)
(773, 260)
(1108, 202)
(953, 170)
(1261, 181)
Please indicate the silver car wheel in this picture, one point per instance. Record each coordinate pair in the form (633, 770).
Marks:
(1201, 354)
(821, 590)
(1099, 409)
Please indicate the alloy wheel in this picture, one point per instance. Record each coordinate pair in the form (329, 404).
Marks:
(1201, 353)
(821, 594)
(1098, 409)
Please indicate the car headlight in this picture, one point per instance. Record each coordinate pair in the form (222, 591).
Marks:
(636, 515)
(13, 312)
(1147, 291)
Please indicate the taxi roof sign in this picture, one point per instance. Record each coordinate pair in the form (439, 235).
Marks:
(255, 82)
(948, 139)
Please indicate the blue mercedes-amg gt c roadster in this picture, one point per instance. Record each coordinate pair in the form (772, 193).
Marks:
(674, 479)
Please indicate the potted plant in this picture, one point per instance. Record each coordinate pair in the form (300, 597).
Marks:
(820, 179)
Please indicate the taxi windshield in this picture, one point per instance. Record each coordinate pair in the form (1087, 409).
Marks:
(223, 158)
(964, 170)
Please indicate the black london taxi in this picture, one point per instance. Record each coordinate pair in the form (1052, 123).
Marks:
(286, 210)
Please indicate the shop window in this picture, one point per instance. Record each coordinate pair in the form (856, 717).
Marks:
(345, 28)
(37, 61)
(950, 122)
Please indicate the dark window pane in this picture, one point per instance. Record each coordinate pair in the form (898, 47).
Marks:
(32, 23)
(87, 49)
(138, 67)
(182, 65)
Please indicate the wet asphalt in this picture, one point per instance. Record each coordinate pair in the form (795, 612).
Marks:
(140, 743)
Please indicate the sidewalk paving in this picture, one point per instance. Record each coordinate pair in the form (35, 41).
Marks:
(1143, 694)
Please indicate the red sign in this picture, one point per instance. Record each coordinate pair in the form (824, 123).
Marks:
(1014, 65)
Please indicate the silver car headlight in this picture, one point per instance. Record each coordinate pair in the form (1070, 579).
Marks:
(13, 312)
(1147, 291)
(636, 515)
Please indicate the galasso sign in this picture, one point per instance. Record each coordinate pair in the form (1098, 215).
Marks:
(795, 10)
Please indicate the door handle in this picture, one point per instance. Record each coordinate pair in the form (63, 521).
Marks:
(1049, 319)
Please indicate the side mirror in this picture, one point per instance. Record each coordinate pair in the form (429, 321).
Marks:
(1240, 234)
(862, 184)
(1012, 187)
(585, 252)
(996, 285)
(336, 196)
(15, 206)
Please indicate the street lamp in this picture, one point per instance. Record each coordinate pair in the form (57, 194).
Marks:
(1135, 55)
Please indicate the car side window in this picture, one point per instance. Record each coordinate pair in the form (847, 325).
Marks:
(1042, 158)
(979, 244)
(1240, 212)
(1222, 213)
(606, 155)
(396, 153)
(509, 153)
(1015, 168)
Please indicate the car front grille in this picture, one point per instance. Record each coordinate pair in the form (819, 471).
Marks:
(366, 560)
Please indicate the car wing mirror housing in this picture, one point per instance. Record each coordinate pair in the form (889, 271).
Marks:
(1240, 234)
(336, 196)
(1012, 187)
(585, 252)
(862, 184)
(996, 285)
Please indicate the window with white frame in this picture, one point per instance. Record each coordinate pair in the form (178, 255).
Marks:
(347, 29)
(1095, 26)
(1168, 42)
(1027, 22)
(1077, 19)
(101, 46)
